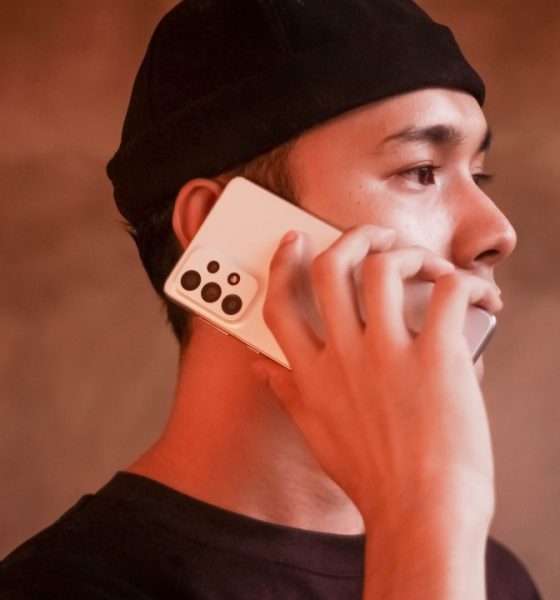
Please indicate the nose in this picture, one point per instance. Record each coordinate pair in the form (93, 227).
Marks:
(483, 236)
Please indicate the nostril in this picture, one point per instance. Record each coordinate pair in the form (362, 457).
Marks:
(488, 254)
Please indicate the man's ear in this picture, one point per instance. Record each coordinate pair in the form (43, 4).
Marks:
(192, 205)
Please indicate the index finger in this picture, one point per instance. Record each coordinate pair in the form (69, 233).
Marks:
(282, 309)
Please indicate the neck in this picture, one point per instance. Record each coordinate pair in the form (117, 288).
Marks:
(228, 442)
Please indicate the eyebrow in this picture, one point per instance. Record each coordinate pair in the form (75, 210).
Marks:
(439, 135)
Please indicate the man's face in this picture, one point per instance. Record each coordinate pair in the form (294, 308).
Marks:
(413, 163)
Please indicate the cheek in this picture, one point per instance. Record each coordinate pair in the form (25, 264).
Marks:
(349, 197)
(417, 224)
(430, 228)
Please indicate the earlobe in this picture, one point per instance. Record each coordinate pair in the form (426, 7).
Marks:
(192, 205)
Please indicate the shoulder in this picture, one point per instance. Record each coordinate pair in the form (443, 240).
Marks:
(60, 563)
(506, 576)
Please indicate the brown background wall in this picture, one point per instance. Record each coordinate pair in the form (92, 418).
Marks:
(86, 365)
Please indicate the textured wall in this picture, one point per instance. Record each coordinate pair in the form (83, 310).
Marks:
(86, 366)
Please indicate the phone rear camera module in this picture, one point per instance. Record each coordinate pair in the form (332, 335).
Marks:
(211, 292)
(190, 280)
(232, 304)
(233, 278)
(213, 266)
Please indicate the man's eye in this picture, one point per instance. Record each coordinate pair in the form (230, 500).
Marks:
(424, 175)
(481, 179)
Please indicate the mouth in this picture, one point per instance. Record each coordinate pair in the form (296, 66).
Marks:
(487, 275)
(493, 309)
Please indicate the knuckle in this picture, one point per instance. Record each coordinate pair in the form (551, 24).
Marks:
(424, 253)
(433, 348)
(452, 282)
(323, 266)
(345, 352)
(364, 229)
(417, 249)
(378, 265)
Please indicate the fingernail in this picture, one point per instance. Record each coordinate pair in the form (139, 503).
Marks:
(288, 237)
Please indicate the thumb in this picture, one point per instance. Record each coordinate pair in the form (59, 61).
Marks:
(280, 380)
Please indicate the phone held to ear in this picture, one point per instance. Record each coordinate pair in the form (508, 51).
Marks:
(223, 274)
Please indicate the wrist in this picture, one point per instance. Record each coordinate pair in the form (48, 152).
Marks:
(427, 554)
(468, 498)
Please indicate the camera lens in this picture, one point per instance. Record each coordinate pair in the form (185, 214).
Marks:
(213, 266)
(232, 304)
(233, 278)
(211, 292)
(190, 280)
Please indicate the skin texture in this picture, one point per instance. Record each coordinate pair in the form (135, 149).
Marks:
(372, 430)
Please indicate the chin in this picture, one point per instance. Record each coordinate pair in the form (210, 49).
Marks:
(479, 369)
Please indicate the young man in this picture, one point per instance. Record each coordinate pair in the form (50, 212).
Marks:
(366, 471)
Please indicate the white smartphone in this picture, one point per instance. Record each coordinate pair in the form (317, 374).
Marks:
(223, 274)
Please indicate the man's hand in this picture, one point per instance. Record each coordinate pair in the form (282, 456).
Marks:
(397, 420)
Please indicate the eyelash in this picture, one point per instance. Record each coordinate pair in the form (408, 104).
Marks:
(480, 179)
(417, 173)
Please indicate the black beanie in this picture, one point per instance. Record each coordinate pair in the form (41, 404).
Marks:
(224, 81)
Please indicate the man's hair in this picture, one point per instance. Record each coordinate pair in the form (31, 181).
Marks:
(159, 248)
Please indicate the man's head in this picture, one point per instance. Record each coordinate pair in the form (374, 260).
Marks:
(229, 87)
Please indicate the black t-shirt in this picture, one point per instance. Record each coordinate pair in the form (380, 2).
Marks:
(138, 539)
